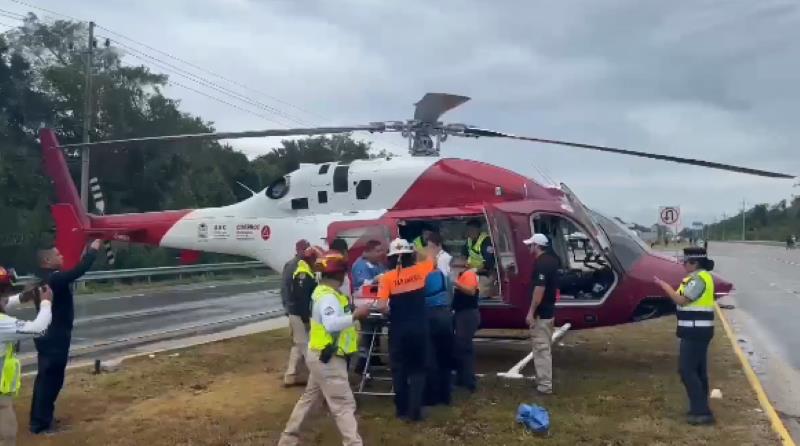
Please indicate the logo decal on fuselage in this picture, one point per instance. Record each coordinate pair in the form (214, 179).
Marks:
(247, 231)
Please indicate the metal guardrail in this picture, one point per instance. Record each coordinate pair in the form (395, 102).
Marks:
(755, 242)
(117, 274)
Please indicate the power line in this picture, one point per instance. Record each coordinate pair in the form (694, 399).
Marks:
(222, 101)
(201, 83)
(8, 16)
(209, 72)
(39, 8)
(12, 14)
(208, 83)
(193, 65)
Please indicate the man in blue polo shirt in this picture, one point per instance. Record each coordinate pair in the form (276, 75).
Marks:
(365, 271)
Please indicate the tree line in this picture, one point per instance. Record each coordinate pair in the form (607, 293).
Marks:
(763, 221)
(42, 72)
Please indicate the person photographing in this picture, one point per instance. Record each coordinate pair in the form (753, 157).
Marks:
(695, 301)
(332, 340)
(53, 346)
(13, 330)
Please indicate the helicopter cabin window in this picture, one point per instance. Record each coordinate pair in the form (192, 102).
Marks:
(340, 178)
(323, 169)
(299, 203)
(586, 274)
(454, 241)
(363, 189)
(322, 196)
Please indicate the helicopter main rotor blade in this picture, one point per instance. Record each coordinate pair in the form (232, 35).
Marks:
(472, 131)
(376, 127)
(434, 105)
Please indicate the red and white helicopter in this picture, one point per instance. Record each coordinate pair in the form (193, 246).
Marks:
(607, 282)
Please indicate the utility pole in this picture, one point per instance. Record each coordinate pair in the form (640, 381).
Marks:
(743, 219)
(87, 119)
(724, 218)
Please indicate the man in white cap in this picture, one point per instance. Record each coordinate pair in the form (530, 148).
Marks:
(544, 285)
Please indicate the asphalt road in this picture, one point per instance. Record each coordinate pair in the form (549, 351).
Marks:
(767, 317)
(116, 321)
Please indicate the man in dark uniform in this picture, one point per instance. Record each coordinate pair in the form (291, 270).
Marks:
(540, 317)
(53, 347)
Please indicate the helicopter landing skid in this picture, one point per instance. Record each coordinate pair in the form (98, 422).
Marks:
(514, 372)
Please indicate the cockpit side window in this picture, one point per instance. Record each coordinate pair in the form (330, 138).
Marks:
(628, 247)
(279, 188)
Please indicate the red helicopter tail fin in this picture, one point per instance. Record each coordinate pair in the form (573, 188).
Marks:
(70, 234)
(71, 218)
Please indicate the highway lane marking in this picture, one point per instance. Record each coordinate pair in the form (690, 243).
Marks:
(772, 414)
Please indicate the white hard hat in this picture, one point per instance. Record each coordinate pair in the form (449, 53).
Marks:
(537, 239)
(400, 246)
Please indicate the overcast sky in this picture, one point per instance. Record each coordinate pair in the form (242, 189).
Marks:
(704, 79)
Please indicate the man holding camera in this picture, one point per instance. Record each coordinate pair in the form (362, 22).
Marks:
(53, 346)
(13, 330)
(332, 339)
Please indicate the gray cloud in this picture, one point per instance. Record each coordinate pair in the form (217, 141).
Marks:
(705, 79)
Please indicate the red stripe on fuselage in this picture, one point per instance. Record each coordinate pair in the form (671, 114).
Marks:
(148, 228)
(454, 182)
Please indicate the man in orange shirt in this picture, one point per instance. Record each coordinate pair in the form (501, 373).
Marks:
(466, 319)
(402, 292)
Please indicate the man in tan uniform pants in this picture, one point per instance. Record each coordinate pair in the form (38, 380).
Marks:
(332, 338)
(541, 314)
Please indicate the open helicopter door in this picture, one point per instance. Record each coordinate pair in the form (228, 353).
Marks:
(358, 232)
(502, 236)
(584, 216)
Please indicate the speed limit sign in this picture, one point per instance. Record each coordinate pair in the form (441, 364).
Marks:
(669, 215)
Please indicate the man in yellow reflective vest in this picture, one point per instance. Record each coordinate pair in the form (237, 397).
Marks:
(332, 339)
(695, 300)
(422, 240)
(480, 256)
(11, 331)
(298, 308)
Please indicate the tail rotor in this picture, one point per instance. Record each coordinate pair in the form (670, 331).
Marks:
(100, 205)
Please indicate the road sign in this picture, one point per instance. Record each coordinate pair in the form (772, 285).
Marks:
(670, 215)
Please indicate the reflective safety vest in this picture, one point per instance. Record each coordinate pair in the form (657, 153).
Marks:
(696, 320)
(302, 268)
(11, 371)
(474, 256)
(319, 337)
(418, 244)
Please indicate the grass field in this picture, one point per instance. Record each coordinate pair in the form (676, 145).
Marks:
(615, 386)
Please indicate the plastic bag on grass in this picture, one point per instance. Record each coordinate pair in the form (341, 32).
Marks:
(535, 418)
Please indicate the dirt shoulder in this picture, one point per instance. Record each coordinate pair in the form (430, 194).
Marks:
(615, 386)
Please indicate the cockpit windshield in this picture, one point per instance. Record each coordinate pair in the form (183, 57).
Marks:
(626, 245)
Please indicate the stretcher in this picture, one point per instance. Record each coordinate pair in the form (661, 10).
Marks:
(372, 376)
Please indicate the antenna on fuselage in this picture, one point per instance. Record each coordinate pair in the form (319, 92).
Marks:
(252, 192)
